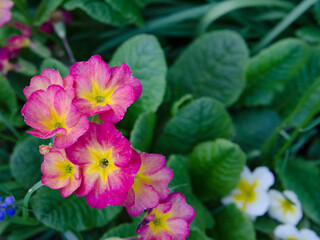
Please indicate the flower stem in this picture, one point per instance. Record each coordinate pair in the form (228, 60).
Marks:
(68, 49)
(27, 197)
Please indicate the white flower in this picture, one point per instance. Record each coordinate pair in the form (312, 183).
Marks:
(251, 194)
(290, 232)
(286, 232)
(285, 207)
(307, 234)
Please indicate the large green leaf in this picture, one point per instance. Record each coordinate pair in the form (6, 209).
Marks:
(232, 224)
(44, 10)
(201, 120)
(125, 230)
(26, 160)
(253, 127)
(97, 10)
(213, 66)
(303, 178)
(270, 70)
(56, 65)
(305, 84)
(144, 56)
(216, 168)
(8, 101)
(71, 213)
(128, 9)
(142, 133)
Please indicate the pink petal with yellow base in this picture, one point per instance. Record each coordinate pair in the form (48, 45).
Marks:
(51, 112)
(150, 185)
(108, 165)
(169, 220)
(60, 173)
(103, 90)
(47, 78)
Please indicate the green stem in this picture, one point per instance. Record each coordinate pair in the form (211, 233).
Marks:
(283, 24)
(295, 134)
(225, 7)
(25, 212)
(270, 143)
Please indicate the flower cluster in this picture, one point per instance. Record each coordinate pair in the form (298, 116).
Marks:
(95, 160)
(14, 44)
(5, 13)
(254, 198)
(7, 207)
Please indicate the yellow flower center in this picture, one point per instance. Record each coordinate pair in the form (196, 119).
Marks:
(287, 206)
(159, 222)
(247, 193)
(104, 162)
(100, 98)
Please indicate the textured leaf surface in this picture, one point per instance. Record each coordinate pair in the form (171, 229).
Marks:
(269, 71)
(232, 224)
(216, 168)
(142, 133)
(303, 178)
(306, 83)
(56, 65)
(71, 213)
(122, 231)
(144, 55)
(8, 101)
(201, 120)
(212, 66)
(25, 161)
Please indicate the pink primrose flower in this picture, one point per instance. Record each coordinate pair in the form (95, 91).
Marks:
(51, 112)
(103, 90)
(108, 165)
(5, 13)
(150, 184)
(47, 78)
(169, 220)
(60, 173)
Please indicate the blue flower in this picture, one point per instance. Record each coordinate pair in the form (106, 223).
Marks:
(7, 207)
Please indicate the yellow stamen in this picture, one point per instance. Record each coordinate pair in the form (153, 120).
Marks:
(247, 193)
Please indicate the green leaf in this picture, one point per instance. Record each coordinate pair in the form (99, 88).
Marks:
(180, 167)
(254, 127)
(97, 10)
(44, 10)
(8, 101)
(41, 50)
(303, 177)
(196, 234)
(144, 56)
(269, 71)
(216, 168)
(27, 68)
(56, 65)
(71, 213)
(142, 133)
(305, 85)
(122, 231)
(128, 9)
(309, 33)
(265, 224)
(232, 224)
(213, 66)
(26, 232)
(26, 160)
(202, 120)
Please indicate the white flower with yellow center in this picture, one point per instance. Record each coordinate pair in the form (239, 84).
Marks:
(251, 194)
(285, 207)
(290, 232)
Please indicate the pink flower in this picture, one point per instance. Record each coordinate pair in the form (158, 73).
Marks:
(5, 13)
(60, 15)
(5, 65)
(60, 173)
(47, 78)
(44, 149)
(150, 184)
(108, 165)
(51, 113)
(103, 90)
(16, 42)
(170, 220)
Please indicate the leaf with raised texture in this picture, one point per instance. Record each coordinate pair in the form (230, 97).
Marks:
(201, 120)
(269, 71)
(213, 66)
(145, 57)
(71, 213)
(216, 168)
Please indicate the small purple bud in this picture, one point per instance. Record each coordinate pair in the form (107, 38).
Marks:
(9, 200)
(11, 212)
